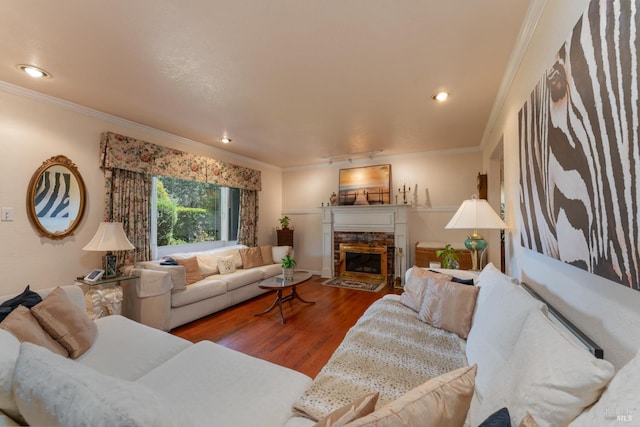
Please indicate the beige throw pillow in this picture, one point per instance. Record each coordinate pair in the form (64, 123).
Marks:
(417, 282)
(341, 416)
(21, 323)
(66, 322)
(449, 306)
(267, 254)
(226, 264)
(441, 401)
(191, 268)
(251, 257)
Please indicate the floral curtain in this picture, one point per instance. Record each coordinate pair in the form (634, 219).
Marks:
(128, 201)
(247, 233)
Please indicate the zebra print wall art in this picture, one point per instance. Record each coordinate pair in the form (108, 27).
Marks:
(580, 148)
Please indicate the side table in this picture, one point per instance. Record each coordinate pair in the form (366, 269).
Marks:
(104, 297)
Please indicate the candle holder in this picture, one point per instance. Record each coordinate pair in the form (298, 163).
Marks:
(404, 190)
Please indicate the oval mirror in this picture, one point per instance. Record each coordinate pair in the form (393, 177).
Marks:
(56, 198)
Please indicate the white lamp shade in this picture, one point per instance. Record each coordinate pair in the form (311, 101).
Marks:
(109, 237)
(476, 214)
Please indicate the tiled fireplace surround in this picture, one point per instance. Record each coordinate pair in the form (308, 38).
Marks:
(376, 224)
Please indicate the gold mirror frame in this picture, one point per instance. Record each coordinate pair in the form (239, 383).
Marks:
(74, 194)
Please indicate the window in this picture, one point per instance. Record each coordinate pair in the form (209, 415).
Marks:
(188, 212)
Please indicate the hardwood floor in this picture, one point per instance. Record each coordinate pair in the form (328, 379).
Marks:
(307, 339)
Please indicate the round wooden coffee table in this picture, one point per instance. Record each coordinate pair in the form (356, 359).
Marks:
(278, 284)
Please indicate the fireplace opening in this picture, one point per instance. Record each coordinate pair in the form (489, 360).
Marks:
(363, 262)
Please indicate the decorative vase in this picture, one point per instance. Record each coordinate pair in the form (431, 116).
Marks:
(287, 273)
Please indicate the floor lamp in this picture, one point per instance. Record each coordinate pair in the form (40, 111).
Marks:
(476, 214)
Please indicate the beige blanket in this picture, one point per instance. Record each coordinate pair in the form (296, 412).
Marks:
(389, 351)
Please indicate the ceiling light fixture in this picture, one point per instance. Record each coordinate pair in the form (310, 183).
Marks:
(225, 140)
(441, 96)
(35, 72)
(349, 157)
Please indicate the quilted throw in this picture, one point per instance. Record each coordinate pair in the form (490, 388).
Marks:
(389, 351)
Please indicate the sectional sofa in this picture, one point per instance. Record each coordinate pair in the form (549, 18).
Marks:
(204, 282)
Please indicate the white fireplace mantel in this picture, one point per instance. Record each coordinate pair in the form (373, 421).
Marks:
(366, 218)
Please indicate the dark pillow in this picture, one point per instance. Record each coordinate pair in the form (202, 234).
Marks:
(500, 418)
(462, 281)
(168, 261)
(28, 298)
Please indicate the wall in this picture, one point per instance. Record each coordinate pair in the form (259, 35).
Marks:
(448, 176)
(607, 311)
(34, 128)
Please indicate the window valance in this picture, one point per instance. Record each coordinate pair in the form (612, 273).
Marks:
(123, 152)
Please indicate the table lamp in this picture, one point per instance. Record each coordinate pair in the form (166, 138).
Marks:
(474, 214)
(109, 237)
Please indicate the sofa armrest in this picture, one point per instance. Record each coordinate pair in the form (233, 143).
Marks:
(147, 299)
(177, 272)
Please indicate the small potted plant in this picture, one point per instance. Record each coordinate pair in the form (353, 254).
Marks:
(449, 257)
(288, 264)
(284, 222)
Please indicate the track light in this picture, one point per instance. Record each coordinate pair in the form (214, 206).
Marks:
(350, 156)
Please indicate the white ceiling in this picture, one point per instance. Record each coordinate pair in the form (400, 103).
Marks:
(291, 82)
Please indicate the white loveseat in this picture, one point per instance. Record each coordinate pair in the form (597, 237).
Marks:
(163, 298)
(525, 361)
(136, 375)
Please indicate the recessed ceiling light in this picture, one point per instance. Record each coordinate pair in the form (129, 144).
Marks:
(225, 140)
(441, 96)
(35, 72)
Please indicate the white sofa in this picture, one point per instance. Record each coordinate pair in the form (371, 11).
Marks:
(161, 297)
(145, 377)
(525, 361)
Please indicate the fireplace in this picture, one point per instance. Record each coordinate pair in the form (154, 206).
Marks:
(363, 262)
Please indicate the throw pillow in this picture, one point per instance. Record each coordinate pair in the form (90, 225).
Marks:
(54, 391)
(547, 375)
(9, 349)
(528, 421)
(621, 395)
(449, 306)
(500, 418)
(417, 282)
(463, 281)
(67, 323)
(341, 416)
(226, 264)
(24, 326)
(251, 257)
(267, 254)
(28, 298)
(441, 401)
(191, 268)
(279, 252)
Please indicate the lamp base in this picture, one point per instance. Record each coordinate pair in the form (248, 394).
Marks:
(475, 243)
(109, 262)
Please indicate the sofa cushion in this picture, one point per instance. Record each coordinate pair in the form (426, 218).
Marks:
(270, 270)
(241, 278)
(53, 391)
(358, 409)
(449, 306)
(209, 379)
(191, 269)
(68, 324)
(501, 309)
(416, 285)
(279, 252)
(28, 298)
(620, 398)
(9, 350)
(146, 348)
(207, 262)
(441, 401)
(251, 257)
(547, 375)
(208, 287)
(267, 254)
(226, 264)
(24, 326)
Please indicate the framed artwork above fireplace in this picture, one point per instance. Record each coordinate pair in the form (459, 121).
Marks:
(368, 185)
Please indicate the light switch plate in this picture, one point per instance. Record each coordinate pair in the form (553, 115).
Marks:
(6, 214)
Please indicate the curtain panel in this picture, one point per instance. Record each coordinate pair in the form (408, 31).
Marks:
(123, 152)
(247, 231)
